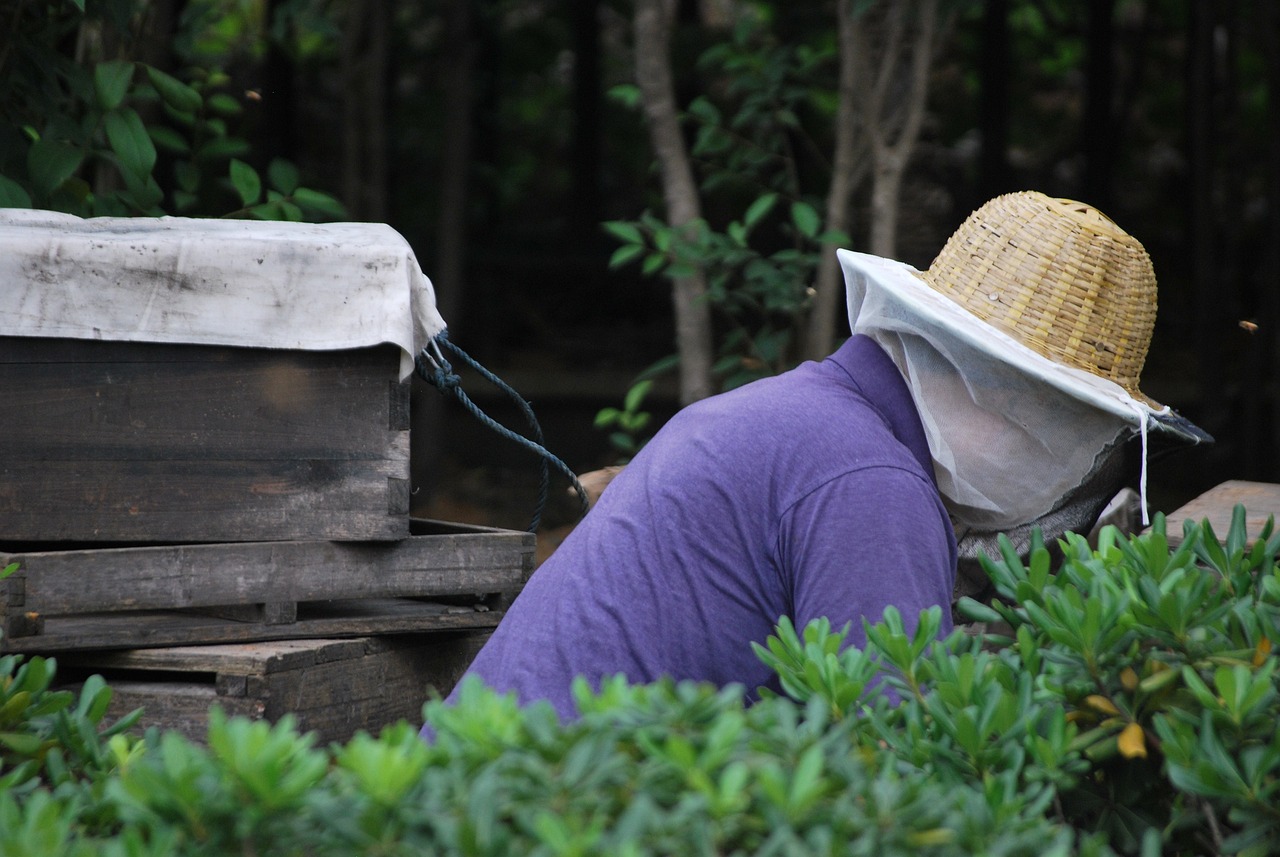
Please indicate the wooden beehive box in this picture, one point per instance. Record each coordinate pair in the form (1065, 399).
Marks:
(145, 442)
(443, 576)
(181, 380)
(333, 687)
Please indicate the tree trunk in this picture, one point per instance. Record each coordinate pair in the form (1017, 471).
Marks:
(886, 191)
(844, 176)
(893, 99)
(653, 22)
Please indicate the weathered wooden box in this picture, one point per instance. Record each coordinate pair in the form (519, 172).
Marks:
(333, 687)
(443, 576)
(145, 442)
(199, 380)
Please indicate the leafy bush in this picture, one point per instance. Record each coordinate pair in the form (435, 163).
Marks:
(1128, 706)
(758, 139)
(121, 136)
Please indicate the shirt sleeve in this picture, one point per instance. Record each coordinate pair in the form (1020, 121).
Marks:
(862, 542)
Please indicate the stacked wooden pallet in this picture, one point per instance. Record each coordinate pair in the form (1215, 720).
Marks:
(217, 522)
(232, 525)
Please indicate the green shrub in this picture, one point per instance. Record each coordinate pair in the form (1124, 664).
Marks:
(1129, 706)
(120, 137)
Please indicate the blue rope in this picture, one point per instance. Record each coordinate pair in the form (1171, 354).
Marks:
(437, 371)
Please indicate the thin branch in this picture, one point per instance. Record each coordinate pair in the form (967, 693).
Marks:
(1214, 830)
(922, 60)
(891, 50)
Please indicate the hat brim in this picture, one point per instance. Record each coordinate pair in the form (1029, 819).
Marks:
(904, 285)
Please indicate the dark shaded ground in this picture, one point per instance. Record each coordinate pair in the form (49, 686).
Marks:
(503, 497)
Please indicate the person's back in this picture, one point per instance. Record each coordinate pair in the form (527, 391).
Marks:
(807, 494)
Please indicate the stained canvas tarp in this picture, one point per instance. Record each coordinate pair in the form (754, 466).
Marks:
(311, 287)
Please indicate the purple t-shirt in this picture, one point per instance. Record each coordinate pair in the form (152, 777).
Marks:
(806, 494)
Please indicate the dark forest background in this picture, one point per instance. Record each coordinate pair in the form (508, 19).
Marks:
(497, 137)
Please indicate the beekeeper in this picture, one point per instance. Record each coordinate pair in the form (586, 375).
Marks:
(996, 391)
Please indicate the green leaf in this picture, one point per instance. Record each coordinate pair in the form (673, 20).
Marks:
(130, 141)
(282, 175)
(976, 611)
(636, 394)
(169, 139)
(223, 147)
(224, 105)
(21, 742)
(702, 108)
(111, 82)
(143, 194)
(625, 231)
(653, 263)
(634, 422)
(50, 163)
(805, 218)
(319, 202)
(12, 195)
(265, 211)
(626, 94)
(175, 93)
(625, 254)
(759, 209)
(244, 179)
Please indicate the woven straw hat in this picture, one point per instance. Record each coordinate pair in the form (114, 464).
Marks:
(1051, 284)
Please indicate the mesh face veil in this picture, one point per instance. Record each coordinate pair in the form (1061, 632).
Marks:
(1022, 345)
(1006, 449)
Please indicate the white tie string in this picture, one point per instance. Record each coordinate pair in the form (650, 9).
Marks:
(1142, 411)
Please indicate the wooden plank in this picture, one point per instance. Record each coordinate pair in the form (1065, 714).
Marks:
(251, 403)
(354, 618)
(1261, 501)
(185, 501)
(332, 687)
(176, 706)
(151, 595)
(259, 658)
(60, 583)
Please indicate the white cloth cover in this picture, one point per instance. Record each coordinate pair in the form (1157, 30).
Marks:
(310, 287)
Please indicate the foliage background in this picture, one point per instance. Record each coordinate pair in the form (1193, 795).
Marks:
(484, 132)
